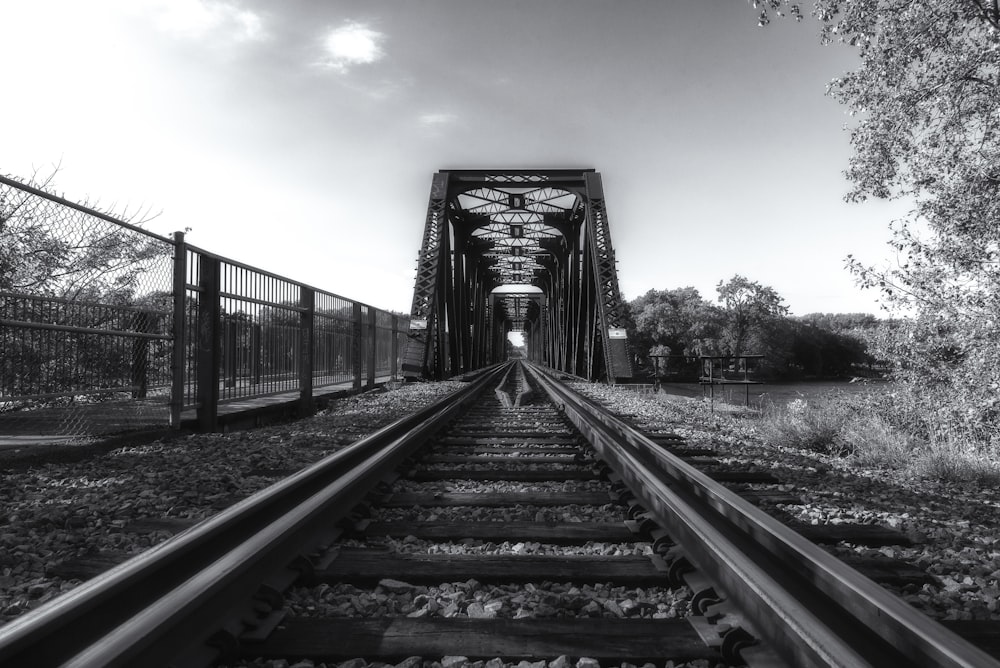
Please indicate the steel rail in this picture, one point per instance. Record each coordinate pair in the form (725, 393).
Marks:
(807, 606)
(502, 395)
(526, 390)
(178, 594)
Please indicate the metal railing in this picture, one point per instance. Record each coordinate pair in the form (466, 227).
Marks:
(106, 327)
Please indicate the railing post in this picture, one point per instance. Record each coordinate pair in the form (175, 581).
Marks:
(307, 300)
(255, 353)
(357, 344)
(179, 352)
(209, 314)
(372, 339)
(394, 352)
(229, 349)
(332, 346)
(140, 354)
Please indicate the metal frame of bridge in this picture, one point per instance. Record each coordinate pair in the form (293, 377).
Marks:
(542, 237)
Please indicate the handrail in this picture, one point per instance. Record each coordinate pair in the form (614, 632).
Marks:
(194, 578)
(808, 606)
(270, 274)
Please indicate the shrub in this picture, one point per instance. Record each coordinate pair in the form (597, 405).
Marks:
(875, 442)
(800, 426)
(894, 430)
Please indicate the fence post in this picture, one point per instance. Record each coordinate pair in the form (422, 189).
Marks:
(140, 354)
(179, 352)
(330, 352)
(394, 352)
(358, 346)
(255, 353)
(372, 351)
(229, 349)
(209, 314)
(307, 300)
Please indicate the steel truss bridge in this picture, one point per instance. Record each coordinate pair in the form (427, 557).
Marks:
(517, 251)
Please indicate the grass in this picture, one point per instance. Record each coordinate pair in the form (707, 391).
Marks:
(878, 430)
(800, 426)
(767, 395)
(873, 424)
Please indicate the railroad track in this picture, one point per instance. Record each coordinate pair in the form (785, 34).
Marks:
(515, 519)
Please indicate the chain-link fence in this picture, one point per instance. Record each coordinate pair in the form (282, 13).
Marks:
(85, 318)
(107, 328)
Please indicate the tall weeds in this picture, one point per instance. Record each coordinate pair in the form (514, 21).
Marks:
(889, 430)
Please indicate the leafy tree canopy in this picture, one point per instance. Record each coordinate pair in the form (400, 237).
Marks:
(54, 250)
(926, 98)
(751, 318)
(839, 322)
(747, 306)
(677, 319)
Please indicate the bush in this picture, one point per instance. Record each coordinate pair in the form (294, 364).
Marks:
(894, 430)
(875, 442)
(800, 426)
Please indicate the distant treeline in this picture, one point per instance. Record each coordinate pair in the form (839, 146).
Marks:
(750, 318)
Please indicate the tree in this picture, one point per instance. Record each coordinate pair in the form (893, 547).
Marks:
(748, 308)
(678, 319)
(842, 322)
(834, 344)
(60, 265)
(926, 96)
(753, 319)
(824, 352)
(53, 250)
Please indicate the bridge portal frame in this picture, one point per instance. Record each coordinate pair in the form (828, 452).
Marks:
(547, 229)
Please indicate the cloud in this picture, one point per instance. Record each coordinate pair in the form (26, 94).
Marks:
(197, 19)
(437, 119)
(250, 24)
(352, 44)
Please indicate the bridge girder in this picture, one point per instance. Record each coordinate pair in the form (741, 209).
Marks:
(544, 236)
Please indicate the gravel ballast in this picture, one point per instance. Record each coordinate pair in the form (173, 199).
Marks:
(527, 513)
(394, 598)
(465, 662)
(58, 511)
(953, 525)
(54, 512)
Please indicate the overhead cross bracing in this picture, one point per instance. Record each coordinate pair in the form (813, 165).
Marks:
(517, 250)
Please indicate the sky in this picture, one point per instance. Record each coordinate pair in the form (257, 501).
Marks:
(301, 136)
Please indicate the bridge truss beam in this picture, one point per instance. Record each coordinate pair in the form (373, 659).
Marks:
(517, 250)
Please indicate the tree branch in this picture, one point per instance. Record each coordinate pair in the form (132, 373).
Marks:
(989, 14)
